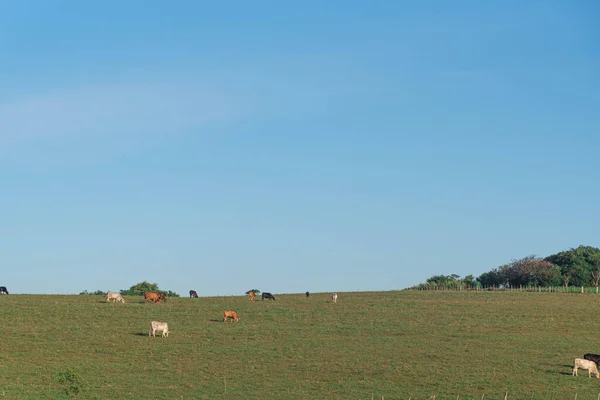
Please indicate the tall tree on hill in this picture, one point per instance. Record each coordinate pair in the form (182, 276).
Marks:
(142, 287)
(492, 278)
(578, 264)
(531, 270)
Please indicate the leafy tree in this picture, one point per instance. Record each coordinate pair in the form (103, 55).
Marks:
(468, 280)
(444, 279)
(546, 274)
(447, 281)
(142, 287)
(531, 270)
(578, 266)
(577, 263)
(494, 277)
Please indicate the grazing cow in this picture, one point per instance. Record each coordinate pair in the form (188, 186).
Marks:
(3, 290)
(267, 295)
(152, 296)
(115, 296)
(252, 295)
(162, 297)
(334, 297)
(230, 314)
(586, 364)
(592, 357)
(193, 294)
(307, 294)
(156, 326)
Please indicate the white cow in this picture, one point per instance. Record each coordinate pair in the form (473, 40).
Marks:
(156, 326)
(115, 296)
(334, 297)
(586, 364)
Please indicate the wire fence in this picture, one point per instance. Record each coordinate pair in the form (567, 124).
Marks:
(520, 288)
(500, 396)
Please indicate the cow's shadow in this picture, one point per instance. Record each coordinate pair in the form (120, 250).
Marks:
(140, 334)
(569, 373)
(215, 320)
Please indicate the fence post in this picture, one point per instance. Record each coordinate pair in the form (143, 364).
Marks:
(582, 289)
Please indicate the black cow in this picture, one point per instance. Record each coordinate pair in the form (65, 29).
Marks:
(592, 357)
(307, 294)
(193, 294)
(267, 295)
(3, 290)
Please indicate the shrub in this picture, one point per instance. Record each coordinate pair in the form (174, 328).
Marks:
(71, 381)
(143, 287)
(97, 292)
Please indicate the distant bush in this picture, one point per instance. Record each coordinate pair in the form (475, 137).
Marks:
(97, 292)
(143, 287)
(256, 291)
(168, 293)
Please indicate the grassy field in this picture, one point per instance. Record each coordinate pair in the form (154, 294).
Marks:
(368, 345)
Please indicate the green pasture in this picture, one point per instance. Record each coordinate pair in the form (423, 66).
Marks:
(399, 345)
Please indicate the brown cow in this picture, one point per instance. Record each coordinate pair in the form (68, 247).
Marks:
(252, 296)
(162, 297)
(230, 314)
(152, 296)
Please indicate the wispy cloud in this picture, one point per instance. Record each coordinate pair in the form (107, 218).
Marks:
(114, 109)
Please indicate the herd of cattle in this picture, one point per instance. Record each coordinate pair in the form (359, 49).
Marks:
(589, 361)
(157, 297)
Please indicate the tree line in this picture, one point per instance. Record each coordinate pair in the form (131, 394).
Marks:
(576, 267)
(138, 290)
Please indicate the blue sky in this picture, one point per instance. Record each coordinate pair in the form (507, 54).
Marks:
(321, 146)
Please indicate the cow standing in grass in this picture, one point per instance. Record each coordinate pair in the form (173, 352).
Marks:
(591, 367)
(230, 314)
(152, 296)
(252, 295)
(334, 297)
(268, 296)
(115, 296)
(193, 294)
(3, 290)
(156, 326)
